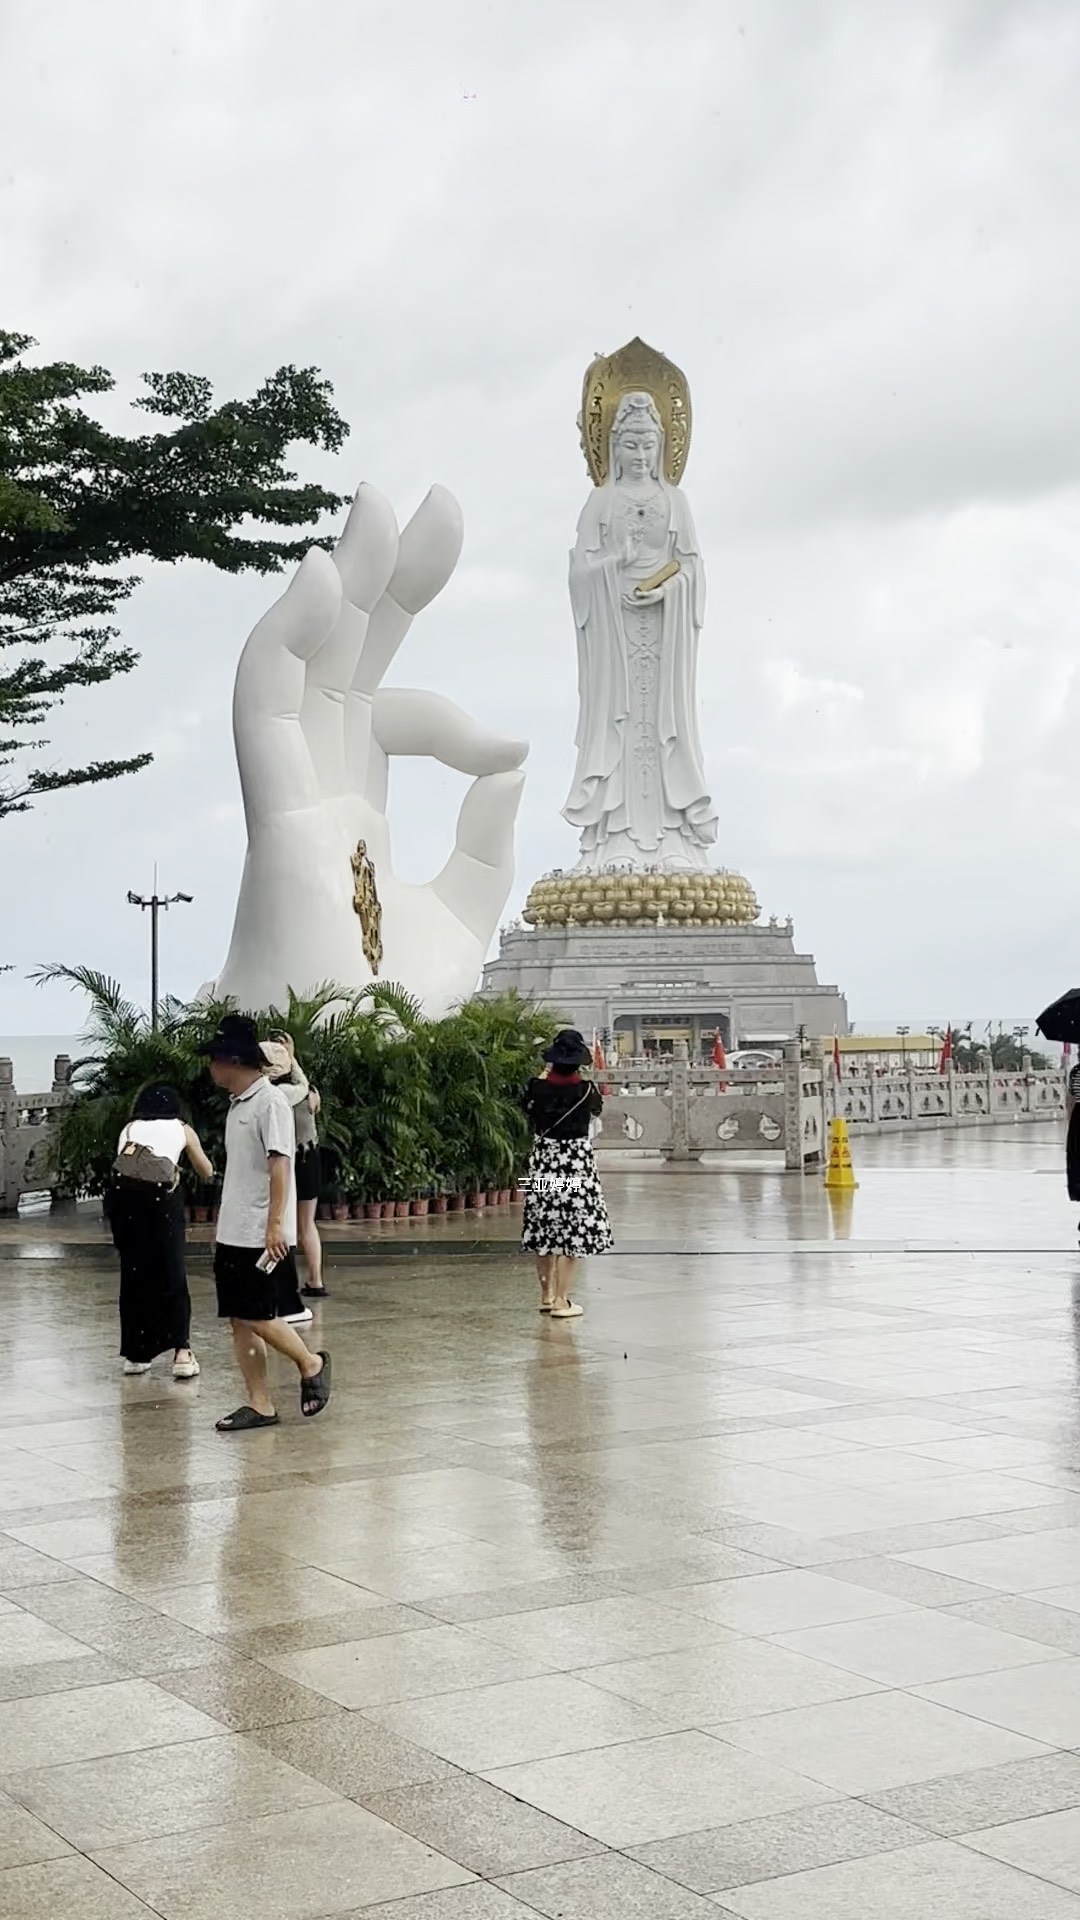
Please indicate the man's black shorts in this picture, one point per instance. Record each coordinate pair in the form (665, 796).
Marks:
(243, 1293)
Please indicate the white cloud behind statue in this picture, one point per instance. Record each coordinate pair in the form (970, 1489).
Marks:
(854, 228)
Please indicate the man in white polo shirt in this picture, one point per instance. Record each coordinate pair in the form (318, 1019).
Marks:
(254, 1260)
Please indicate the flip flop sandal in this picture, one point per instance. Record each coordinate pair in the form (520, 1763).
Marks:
(315, 1393)
(245, 1420)
(545, 1306)
(570, 1312)
(315, 1293)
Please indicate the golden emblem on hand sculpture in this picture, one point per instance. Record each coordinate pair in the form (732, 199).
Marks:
(366, 906)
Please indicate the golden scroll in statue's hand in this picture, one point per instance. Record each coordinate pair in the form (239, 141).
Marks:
(658, 579)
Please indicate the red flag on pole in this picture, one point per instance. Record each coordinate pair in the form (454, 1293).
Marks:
(718, 1055)
(946, 1051)
(599, 1063)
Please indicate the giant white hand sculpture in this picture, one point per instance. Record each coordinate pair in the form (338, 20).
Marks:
(314, 730)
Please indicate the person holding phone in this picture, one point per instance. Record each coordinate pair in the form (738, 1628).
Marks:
(254, 1258)
(565, 1217)
(286, 1072)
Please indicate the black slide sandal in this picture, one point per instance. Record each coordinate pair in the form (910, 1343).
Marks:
(315, 1393)
(245, 1420)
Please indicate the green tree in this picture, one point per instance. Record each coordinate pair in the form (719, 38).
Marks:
(1005, 1050)
(78, 502)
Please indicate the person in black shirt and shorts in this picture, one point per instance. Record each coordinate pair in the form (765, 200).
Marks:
(565, 1215)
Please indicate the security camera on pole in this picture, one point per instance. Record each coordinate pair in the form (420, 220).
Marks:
(155, 903)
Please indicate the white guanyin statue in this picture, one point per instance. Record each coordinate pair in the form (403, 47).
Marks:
(637, 587)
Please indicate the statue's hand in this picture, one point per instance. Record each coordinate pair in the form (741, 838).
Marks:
(314, 732)
(649, 599)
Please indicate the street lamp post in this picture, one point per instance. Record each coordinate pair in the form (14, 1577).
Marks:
(902, 1034)
(156, 903)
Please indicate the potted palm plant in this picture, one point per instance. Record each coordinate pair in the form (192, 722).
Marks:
(413, 1110)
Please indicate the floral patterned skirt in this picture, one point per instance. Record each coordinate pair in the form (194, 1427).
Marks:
(564, 1201)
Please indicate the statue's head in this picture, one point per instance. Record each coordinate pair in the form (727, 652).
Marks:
(637, 438)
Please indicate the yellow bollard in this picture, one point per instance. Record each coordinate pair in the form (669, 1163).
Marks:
(840, 1174)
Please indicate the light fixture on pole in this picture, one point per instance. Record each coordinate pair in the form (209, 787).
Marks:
(155, 904)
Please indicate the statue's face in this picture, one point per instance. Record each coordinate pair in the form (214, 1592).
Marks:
(637, 453)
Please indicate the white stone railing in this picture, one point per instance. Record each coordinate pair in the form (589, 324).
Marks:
(671, 1109)
(926, 1100)
(681, 1112)
(26, 1122)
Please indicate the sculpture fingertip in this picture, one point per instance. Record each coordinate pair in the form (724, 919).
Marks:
(429, 551)
(366, 553)
(308, 608)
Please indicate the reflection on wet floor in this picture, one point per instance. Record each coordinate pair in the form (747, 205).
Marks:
(756, 1591)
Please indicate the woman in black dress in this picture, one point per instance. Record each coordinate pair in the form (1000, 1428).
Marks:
(565, 1216)
(148, 1228)
(1072, 1141)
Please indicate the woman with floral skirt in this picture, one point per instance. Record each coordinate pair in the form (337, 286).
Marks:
(565, 1216)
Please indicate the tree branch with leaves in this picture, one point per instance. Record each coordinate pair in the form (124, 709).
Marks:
(79, 503)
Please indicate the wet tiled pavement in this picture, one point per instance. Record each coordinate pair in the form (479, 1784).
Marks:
(756, 1591)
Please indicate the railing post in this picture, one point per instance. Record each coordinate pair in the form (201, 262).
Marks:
(680, 1109)
(9, 1118)
(793, 1145)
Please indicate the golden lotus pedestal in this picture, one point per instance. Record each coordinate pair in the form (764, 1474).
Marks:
(655, 960)
(641, 899)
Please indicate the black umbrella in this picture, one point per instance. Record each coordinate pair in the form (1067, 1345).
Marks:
(1061, 1021)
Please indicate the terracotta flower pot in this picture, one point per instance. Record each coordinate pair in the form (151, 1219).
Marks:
(200, 1215)
(493, 1196)
(516, 1196)
(455, 1203)
(504, 1196)
(340, 1210)
(419, 1207)
(440, 1203)
(356, 1210)
(401, 1209)
(372, 1209)
(322, 1211)
(475, 1201)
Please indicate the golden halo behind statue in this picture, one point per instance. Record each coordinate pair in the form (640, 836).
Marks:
(636, 368)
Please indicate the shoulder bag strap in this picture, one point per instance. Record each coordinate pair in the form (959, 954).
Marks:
(546, 1135)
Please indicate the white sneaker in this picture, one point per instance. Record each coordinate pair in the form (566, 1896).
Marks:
(186, 1369)
(136, 1366)
(303, 1319)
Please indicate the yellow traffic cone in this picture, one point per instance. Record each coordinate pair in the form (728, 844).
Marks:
(840, 1174)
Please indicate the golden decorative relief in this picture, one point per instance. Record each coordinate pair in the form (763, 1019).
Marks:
(642, 899)
(366, 906)
(636, 368)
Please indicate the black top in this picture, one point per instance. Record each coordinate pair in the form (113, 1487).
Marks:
(561, 1110)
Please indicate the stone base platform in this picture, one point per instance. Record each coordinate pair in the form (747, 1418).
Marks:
(653, 984)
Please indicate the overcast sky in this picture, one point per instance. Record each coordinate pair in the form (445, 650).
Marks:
(854, 223)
